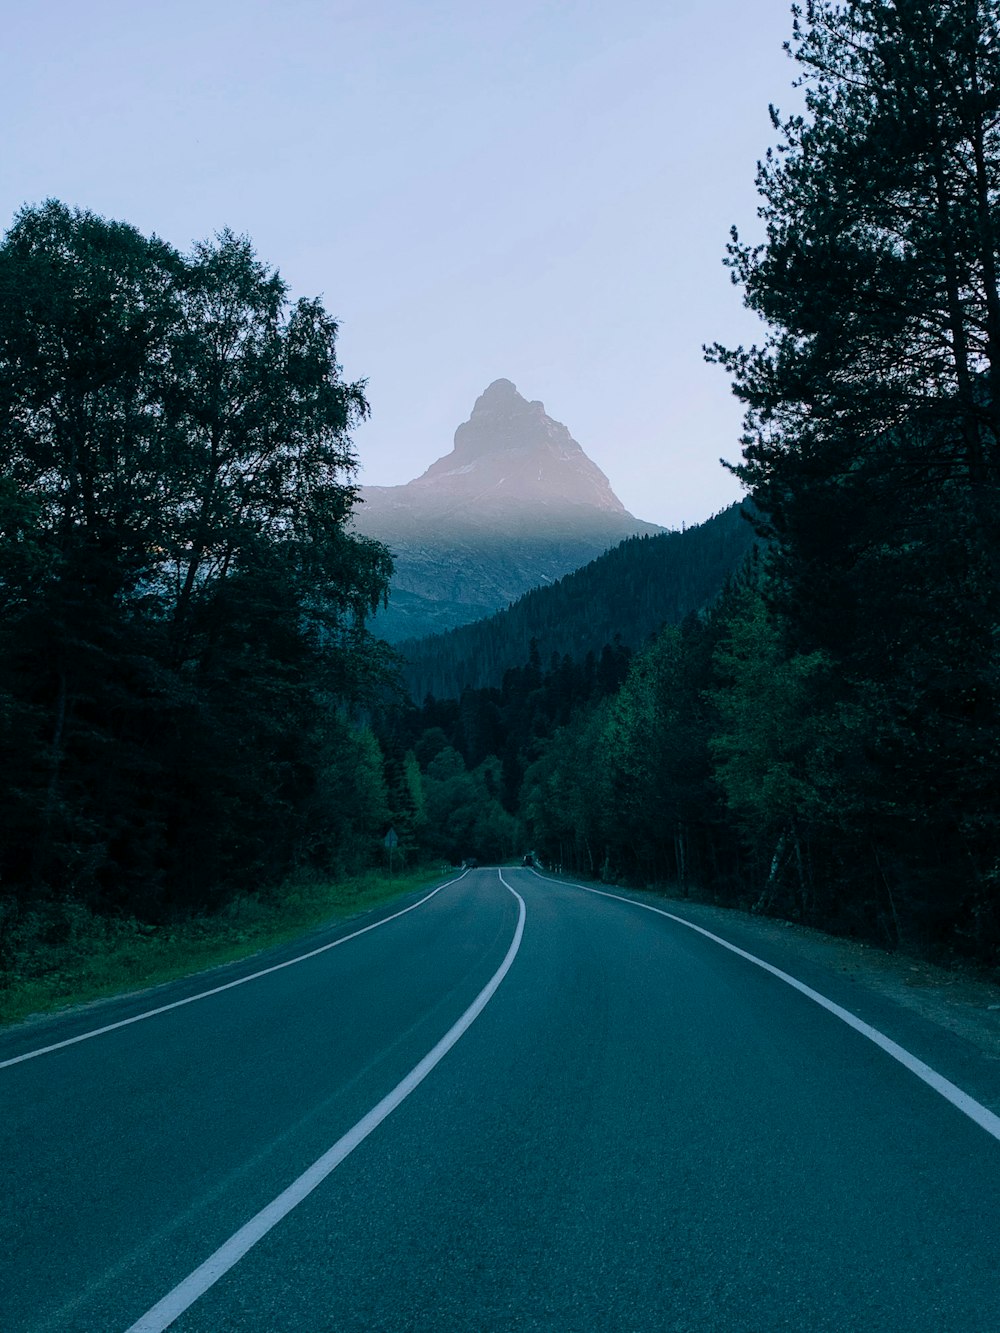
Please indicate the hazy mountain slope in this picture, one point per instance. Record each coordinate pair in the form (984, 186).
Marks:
(630, 591)
(516, 504)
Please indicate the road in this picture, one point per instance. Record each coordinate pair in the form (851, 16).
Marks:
(524, 1106)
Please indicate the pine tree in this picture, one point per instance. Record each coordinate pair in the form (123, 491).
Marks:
(872, 444)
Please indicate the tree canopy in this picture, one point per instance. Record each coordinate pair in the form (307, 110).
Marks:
(182, 602)
(878, 274)
(872, 442)
(824, 743)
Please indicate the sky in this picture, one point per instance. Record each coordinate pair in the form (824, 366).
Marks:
(536, 190)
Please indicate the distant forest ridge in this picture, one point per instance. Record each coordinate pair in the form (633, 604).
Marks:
(629, 592)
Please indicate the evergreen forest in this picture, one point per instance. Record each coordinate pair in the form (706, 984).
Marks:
(627, 593)
(792, 707)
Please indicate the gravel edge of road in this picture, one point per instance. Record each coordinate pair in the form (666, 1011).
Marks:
(953, 998)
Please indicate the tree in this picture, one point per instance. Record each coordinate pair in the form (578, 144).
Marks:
(878, 277)
(872, 443)
(766, 745)
(464, 816)
(567, 798)
(177, 575)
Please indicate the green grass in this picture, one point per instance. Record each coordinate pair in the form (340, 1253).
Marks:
(74, 957)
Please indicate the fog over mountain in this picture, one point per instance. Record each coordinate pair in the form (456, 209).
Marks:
(517, 503)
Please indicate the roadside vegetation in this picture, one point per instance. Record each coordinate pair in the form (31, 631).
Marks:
(71, 956)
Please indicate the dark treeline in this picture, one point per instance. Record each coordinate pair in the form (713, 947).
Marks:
(466, 758)
(825, 742)
(627, 593)
(181, 608)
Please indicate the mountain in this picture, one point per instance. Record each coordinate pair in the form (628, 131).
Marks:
(516, 504)
(628, 593)
(511, 452)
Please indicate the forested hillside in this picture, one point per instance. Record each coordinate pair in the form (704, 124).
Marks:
(627, 593)
(462, 761)
(824, 741)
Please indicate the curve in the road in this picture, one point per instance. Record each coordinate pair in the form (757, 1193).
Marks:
(173, 1305)
(217, 990)
(981, 1115)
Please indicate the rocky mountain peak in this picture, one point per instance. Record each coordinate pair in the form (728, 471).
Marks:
(517, 503)
(511, 452)
(500, 391)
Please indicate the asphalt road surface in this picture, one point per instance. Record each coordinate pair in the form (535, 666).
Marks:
(516, 1106)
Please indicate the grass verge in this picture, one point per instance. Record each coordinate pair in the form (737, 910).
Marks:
(75, 957)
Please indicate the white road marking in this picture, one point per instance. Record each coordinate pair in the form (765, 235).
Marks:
(173, 1305)
(982, 1116)
(217, 990)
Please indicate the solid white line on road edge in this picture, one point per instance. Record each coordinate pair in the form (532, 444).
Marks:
(982, 1116)
(217, 990)
(173, 1305)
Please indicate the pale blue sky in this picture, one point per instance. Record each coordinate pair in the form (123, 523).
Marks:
(535, 190)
